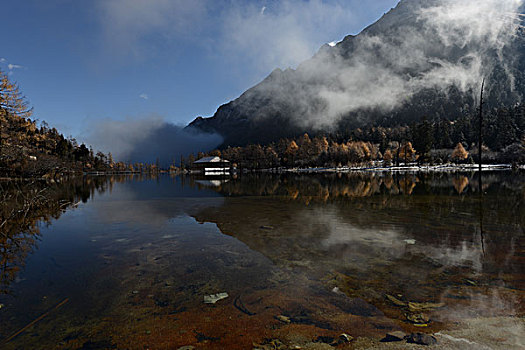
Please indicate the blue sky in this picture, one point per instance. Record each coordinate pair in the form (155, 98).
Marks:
(80, 62)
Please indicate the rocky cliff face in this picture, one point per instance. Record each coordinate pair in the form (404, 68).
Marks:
(424, 58)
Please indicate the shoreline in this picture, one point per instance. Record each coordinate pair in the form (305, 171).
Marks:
(472, 333)
(411, 168)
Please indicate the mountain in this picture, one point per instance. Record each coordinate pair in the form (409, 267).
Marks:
(424, 58)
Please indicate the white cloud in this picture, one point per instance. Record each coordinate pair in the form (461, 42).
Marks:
(459, 42)
(129, 25)
(279, 34)
(144, 96)
(10, 66)
(142, 139)
(255, 40)
(14, 66)
(283, 34)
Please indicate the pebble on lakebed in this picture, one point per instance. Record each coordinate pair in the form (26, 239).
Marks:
(394, 336)
(421, 339)
(418, 319)
(345, 338)
(414, 338)
(213, 298)
(284, 319)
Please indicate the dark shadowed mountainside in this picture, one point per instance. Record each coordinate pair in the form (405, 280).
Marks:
(424, 58)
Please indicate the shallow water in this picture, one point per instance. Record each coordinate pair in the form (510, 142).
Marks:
(342, 253)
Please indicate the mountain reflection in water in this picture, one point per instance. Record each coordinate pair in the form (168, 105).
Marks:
(359, 253)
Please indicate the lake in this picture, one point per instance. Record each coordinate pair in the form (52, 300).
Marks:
(126, 262)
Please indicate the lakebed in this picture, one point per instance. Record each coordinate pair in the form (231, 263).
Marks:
(303, 258)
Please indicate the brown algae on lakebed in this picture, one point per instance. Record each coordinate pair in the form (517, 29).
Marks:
(327, 253)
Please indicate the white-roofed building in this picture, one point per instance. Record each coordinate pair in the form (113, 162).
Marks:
(211, 166)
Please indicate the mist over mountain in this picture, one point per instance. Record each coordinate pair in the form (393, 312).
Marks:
(424, 58)
(151, 138)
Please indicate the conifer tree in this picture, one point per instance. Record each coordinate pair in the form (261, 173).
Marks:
(459, 153)
(407, 152)
(12, 103)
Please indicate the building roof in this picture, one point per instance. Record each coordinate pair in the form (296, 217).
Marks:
(210, 160)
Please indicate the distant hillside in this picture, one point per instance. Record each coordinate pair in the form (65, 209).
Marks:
(29, 150)
(424, 58)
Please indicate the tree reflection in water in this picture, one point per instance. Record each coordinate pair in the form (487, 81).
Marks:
(297, 238)
(352, 229)
(26, 205)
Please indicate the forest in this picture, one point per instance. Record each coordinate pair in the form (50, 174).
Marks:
(428, 141)
(31, 150)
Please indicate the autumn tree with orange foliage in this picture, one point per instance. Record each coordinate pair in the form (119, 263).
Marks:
(407, 152)
(12, 101)
(13, 104)
(27, 150)
(291, 151)
(387, 157)
(459, 153)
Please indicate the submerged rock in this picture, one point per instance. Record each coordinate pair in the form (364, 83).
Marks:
(345, 338)
(270, 344)
(394, 336)
(418, 319)
(412, 306)
(395, 301)
(336, 290)
(282, 318)
(324, 339)
(213, 298)
(421, 339)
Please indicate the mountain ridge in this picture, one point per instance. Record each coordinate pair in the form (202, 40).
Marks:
(405, 66)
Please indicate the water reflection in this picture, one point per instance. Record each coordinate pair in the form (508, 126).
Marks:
(333, 252)
(26, 206)
(418, 236)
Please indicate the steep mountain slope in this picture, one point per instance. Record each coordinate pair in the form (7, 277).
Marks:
(423, 58)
